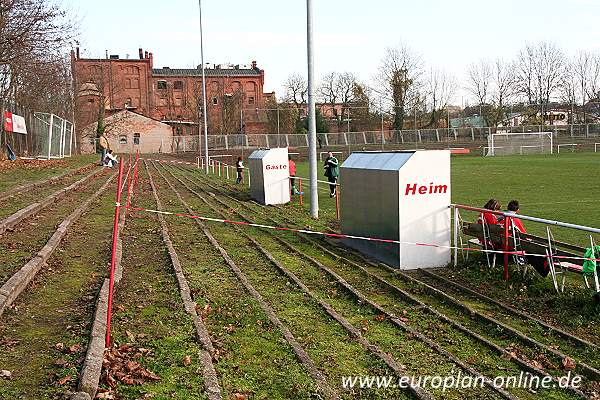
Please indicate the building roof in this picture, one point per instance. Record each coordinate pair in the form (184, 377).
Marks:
(207, 71)
(375, 160)
(475, 121)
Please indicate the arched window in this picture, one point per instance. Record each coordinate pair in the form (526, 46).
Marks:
(136, 138)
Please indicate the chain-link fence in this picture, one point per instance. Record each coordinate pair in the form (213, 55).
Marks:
(415, 138)
(48, 135)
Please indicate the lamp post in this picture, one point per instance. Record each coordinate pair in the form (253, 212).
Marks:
(203, 92)
(312, 127)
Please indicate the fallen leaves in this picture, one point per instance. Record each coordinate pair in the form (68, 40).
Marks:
(568, 364)
(6, 374)
(187, 360)
(65, 380)
(120, 365)
(76, 348)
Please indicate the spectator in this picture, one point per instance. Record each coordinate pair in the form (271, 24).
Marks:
(104, 147)
(292, 171)
(488, 217)
(239, 167)
(332, 171)
(513, 207)
(110, 160)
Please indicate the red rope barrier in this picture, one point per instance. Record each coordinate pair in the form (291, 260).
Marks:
(113, 254)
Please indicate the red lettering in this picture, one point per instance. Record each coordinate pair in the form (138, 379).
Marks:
(440, 189)
(413, 189)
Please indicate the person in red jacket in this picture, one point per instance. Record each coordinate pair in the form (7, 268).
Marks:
(513, 207)
(292, 170)
(488, 217)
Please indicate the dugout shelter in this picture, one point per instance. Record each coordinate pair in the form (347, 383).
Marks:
(402, 196)
(269, 176)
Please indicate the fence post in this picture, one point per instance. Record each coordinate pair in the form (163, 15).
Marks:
(507, 222)
(472, 134)
(337, 200)
(587, 130)
(71, 140)
(300, 186)
(456, 227)
(50, 136)
(63, 131)
(113, 255)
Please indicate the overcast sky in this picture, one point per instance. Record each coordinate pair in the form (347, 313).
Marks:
(350, 35)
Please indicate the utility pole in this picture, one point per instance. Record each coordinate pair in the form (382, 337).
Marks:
(312, 127)
(206, 158)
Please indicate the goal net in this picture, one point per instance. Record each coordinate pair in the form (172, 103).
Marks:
(502, 144)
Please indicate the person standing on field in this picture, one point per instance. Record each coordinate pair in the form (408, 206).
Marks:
(239, 167)
(332, 171)
(292, 170)
(104, 147)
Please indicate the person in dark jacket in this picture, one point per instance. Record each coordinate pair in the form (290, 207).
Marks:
(332, 172)
(239, 167)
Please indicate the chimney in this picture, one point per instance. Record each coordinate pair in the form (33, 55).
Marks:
(141, 53)
(77, 53)
(151, 59)
(106, 51)
(146, 54)
(253, 64)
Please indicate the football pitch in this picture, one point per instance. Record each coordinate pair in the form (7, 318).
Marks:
(563, 187)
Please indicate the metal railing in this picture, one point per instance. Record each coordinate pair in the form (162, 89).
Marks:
(382, 138)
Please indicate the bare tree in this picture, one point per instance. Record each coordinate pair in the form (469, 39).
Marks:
(338, 89)
(398, 77)
(525, 73)
(296, 89)
(586, 71)
(440, 90)
(504, 82)
(549, 69)
(479, 81)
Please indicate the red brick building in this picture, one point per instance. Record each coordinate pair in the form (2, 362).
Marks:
(171, 95)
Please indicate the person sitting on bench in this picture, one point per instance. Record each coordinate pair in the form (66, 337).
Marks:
(488, 217)
(513, 207)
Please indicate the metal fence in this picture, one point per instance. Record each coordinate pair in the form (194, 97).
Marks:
(48, 135)
(414, 138)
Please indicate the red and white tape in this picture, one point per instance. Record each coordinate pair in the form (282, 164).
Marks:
(341, 235)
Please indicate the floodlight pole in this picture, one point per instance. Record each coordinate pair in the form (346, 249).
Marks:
(312, 127)
(203, 93)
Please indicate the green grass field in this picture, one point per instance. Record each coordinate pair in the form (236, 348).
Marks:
(564, 187)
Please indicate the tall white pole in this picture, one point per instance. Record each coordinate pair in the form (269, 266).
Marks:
(312, 127)
(205, 117)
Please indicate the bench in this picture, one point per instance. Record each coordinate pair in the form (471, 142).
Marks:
(530, 244)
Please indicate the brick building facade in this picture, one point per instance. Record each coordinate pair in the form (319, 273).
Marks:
(170, 95)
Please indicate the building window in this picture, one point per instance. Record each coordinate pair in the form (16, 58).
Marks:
(162, 101)
(215, 101)
(161, 84)
(122, 139)
(178, 101)
(136, 138)
(251, 100)
(178, 85)
(128, 103)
